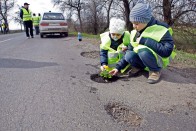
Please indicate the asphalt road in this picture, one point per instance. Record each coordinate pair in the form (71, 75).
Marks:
(45, 86)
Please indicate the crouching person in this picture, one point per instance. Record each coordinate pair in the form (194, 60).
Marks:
(113, 44)
(151, 45)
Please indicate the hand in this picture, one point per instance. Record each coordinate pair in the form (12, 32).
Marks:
(102, 68)
(124, 48)
(113, 72)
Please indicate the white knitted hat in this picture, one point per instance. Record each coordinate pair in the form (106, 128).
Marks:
(117, 26)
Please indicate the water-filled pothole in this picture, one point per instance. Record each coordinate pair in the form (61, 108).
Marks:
(99, 79)
(123, 114)
(91, 54)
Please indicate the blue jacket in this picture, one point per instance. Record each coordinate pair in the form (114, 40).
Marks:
(104, 53)
(163, 48)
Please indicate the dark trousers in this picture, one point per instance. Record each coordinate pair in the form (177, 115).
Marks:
(4, 30)
(37, 30)
(28, 25)
(144, 58)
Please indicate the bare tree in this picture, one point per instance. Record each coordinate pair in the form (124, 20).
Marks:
(108, 4)
(5, 7)
(172, 10)
(17, 18)
(124, 7)
(94, 13)
(74, 5)
(126, 4)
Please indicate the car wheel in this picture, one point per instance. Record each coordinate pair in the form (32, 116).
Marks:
(61, 34)
(66, 34)
(41, 35)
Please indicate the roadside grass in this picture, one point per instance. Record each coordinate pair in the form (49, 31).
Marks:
(85, 35)
(185, 40)
(16, 31)
(184, 58)
(12, 32)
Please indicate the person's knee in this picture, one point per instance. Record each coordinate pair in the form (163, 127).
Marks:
(130, 56)
(144, 53)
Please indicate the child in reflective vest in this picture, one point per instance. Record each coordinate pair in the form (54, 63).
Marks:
(113, 43)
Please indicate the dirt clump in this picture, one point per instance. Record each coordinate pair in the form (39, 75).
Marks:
(97, 78)
(123, 114)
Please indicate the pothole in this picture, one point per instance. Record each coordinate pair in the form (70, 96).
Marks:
(97, 78)
(123, 114)
(91, 54)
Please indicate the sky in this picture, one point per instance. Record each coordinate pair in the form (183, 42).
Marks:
(36, 6)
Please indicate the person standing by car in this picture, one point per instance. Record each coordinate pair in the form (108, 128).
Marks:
(39, 15)
(36, 23)
(4, 28)
(25, 15)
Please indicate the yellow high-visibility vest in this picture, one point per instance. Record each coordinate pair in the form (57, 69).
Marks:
(114, 56)
(26, 15)
(3, 25)
(155, 32)
(35, 21)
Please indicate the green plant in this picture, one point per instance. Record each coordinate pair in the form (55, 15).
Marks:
(105, 73)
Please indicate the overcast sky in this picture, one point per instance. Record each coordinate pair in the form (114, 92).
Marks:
(36, 6)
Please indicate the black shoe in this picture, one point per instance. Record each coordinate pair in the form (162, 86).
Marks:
(32, 36)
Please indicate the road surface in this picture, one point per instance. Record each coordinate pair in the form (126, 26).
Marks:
(45, 85)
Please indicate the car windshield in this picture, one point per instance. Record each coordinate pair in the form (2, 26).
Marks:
(53, 16)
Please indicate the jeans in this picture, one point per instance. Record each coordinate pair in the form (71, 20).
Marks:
(144, 58)
(36, 30)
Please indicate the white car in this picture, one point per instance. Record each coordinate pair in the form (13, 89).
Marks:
(53, 23)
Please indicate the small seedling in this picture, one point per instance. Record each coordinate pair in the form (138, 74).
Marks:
(105, 73)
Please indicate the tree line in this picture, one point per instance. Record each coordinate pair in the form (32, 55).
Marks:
(5, 8)
(93, 15)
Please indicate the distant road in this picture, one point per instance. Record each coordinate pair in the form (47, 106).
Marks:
(7, 37)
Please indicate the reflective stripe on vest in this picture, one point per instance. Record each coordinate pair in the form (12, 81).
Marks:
(26, 15)
(35, 21)
(114, 55)
(155, 32)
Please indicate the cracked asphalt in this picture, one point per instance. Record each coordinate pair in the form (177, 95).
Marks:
(45, 86)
